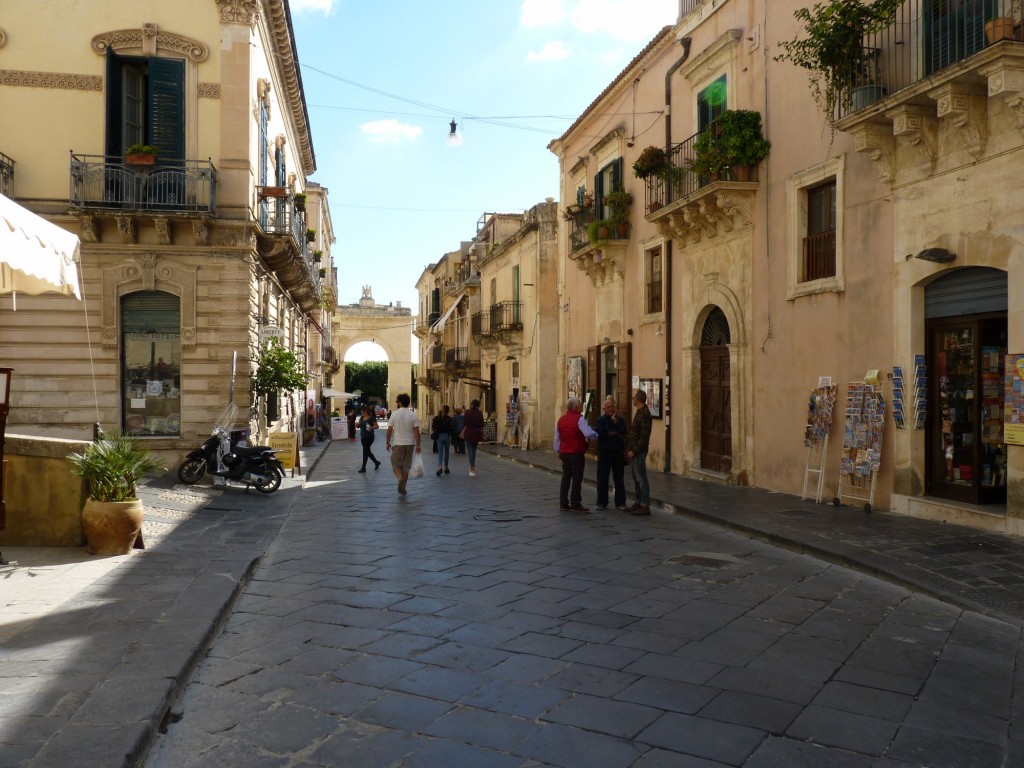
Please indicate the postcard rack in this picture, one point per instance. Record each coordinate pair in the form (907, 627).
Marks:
(820, 406)
(861, 457)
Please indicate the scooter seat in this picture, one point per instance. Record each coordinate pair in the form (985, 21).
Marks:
(252, 450)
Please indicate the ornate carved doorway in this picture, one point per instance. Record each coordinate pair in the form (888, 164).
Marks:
(715, 394)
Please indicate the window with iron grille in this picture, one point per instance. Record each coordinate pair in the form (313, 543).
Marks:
(652, 279)
(819, 251)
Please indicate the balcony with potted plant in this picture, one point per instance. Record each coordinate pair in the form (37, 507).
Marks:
(282, 241)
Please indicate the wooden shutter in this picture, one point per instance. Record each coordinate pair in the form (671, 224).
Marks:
(593, 379)
(113, 97)
(167, 107)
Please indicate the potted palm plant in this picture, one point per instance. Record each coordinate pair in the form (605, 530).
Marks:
(112, 516)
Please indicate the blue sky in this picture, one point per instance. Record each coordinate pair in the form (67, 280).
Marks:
(384, 79)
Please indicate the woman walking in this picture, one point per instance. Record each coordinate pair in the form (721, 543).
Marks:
(473, 428)
(367, 426)
(441, 429)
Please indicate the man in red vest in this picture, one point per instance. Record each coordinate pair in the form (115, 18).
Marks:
(571, 433)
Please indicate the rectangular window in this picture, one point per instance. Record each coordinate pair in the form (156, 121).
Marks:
(607, 180)
(145, 105)
(819, 252)
(652, 272)
(151, 363)
(711, 103)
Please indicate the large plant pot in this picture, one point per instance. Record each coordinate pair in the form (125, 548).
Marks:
(865, 95)
(999, 29)
(112, 527)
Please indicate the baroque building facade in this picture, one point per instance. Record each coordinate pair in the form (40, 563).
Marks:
(194, 255)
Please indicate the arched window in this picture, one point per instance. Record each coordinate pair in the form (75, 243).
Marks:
(151, 363)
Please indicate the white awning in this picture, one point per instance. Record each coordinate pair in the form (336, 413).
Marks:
(35, 255)
(331, 392)
(438, 327)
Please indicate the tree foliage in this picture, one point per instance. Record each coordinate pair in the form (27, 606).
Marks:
(370, 378)
(279, 370)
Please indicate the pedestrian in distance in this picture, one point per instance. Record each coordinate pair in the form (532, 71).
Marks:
(350, 418)
(367, 429)
(441, 429)
(458, 444)
(637, 443)
(611, 434)
(402, 440)
(571, 435)
(472, 432)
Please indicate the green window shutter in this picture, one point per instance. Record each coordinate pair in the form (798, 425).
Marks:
(113, 98)
(617, 174)
(711, 103)
(264, 163)
(167, 107)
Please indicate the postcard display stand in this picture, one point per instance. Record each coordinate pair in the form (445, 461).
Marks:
(819, 422)
(862, 444)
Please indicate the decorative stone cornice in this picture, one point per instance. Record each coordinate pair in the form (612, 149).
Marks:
(283, 55)
(878, 143)
(147, 272)
(602, 262)
(63, 80)
(723, 46)
(964, 106)
(238, 11)
(607, 139)
(1006, 80)
(209, 90)
(915, 127)
(150, 39)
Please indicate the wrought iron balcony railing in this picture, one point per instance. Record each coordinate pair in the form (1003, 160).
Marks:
(437, 355)
(507, 316)
(171, 186)
(6, 175)
(679, 182)
(480, 324)
(456, 357)
(578, 237)
(925, 39)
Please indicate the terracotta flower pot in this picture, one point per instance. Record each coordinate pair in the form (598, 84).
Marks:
(112, 527)
(999, 29)
(134, 159)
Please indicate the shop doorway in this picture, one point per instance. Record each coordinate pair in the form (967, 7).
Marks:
(966, 455)
(715, 394)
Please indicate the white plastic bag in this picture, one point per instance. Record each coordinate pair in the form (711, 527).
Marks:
(417, 466)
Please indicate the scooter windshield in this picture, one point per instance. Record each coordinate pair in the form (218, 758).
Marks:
(226, 420)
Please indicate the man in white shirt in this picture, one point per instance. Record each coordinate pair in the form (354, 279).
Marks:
(403, 439)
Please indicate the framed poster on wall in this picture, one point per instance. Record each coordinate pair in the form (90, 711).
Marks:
(653, 389)
(574, 377)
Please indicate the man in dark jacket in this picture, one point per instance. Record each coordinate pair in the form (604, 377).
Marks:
(571, 434)
(611, 432)
(637, 442)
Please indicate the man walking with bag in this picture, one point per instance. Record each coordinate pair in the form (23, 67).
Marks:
(403, 439)
(637, 442)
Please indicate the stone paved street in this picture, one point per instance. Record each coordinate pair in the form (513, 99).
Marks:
(470, 623)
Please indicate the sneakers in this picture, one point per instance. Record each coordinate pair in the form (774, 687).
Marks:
(601, 506)
(621, 506)
(439, 472)
(472, 473)
(640, 511)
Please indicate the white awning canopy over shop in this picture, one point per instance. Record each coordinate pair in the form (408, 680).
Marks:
(438, 327)
(330, 392)
(35, 255)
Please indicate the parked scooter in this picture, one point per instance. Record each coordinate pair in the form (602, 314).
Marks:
(256, 465)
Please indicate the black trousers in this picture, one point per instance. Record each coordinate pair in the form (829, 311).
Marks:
(368, 452)
(611, 463)
(570, 493)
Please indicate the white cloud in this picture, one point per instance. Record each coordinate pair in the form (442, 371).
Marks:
(298, 6)
(390, 131)
(541, 13)
(553, 50)
(628, 20)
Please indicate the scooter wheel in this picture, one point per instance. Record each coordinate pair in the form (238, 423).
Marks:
(191, 470)
(269, 484)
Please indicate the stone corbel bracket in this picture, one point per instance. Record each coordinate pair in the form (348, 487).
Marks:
(709, 217)
(916, 128)
(877, 142)
(964, 106)
(128, 228)
(1007, 81)
(163, 230)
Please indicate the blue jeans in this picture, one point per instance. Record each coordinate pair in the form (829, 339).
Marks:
(444, 444)
(643, 489)
(471, 451)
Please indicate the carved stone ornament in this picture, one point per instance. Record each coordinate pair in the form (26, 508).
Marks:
(1007, 82)
(878, 143)
(3, 38)
(149, 273)
(200, 232)
(163, 230)
(64, 81)
(915, 128)
(602, 264)
(150, 39)
(209, 90)
(90, 228)
(238, 11)
(961, 105)
(128, 228)
(709, 217)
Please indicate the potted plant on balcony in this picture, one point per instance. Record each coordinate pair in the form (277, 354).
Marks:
(322, 272)
(299, 199)
(709, 161)
(318, 256)
(618, 202)
(140, 154)
(600, 229)
(651, 162)
(272, 191)
(833, 49)
(310, 235)
(741, 141)
(112, 516)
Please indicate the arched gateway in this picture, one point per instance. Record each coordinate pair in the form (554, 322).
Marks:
(388, 325)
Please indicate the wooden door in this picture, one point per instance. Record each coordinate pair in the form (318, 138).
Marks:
(715, 410)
